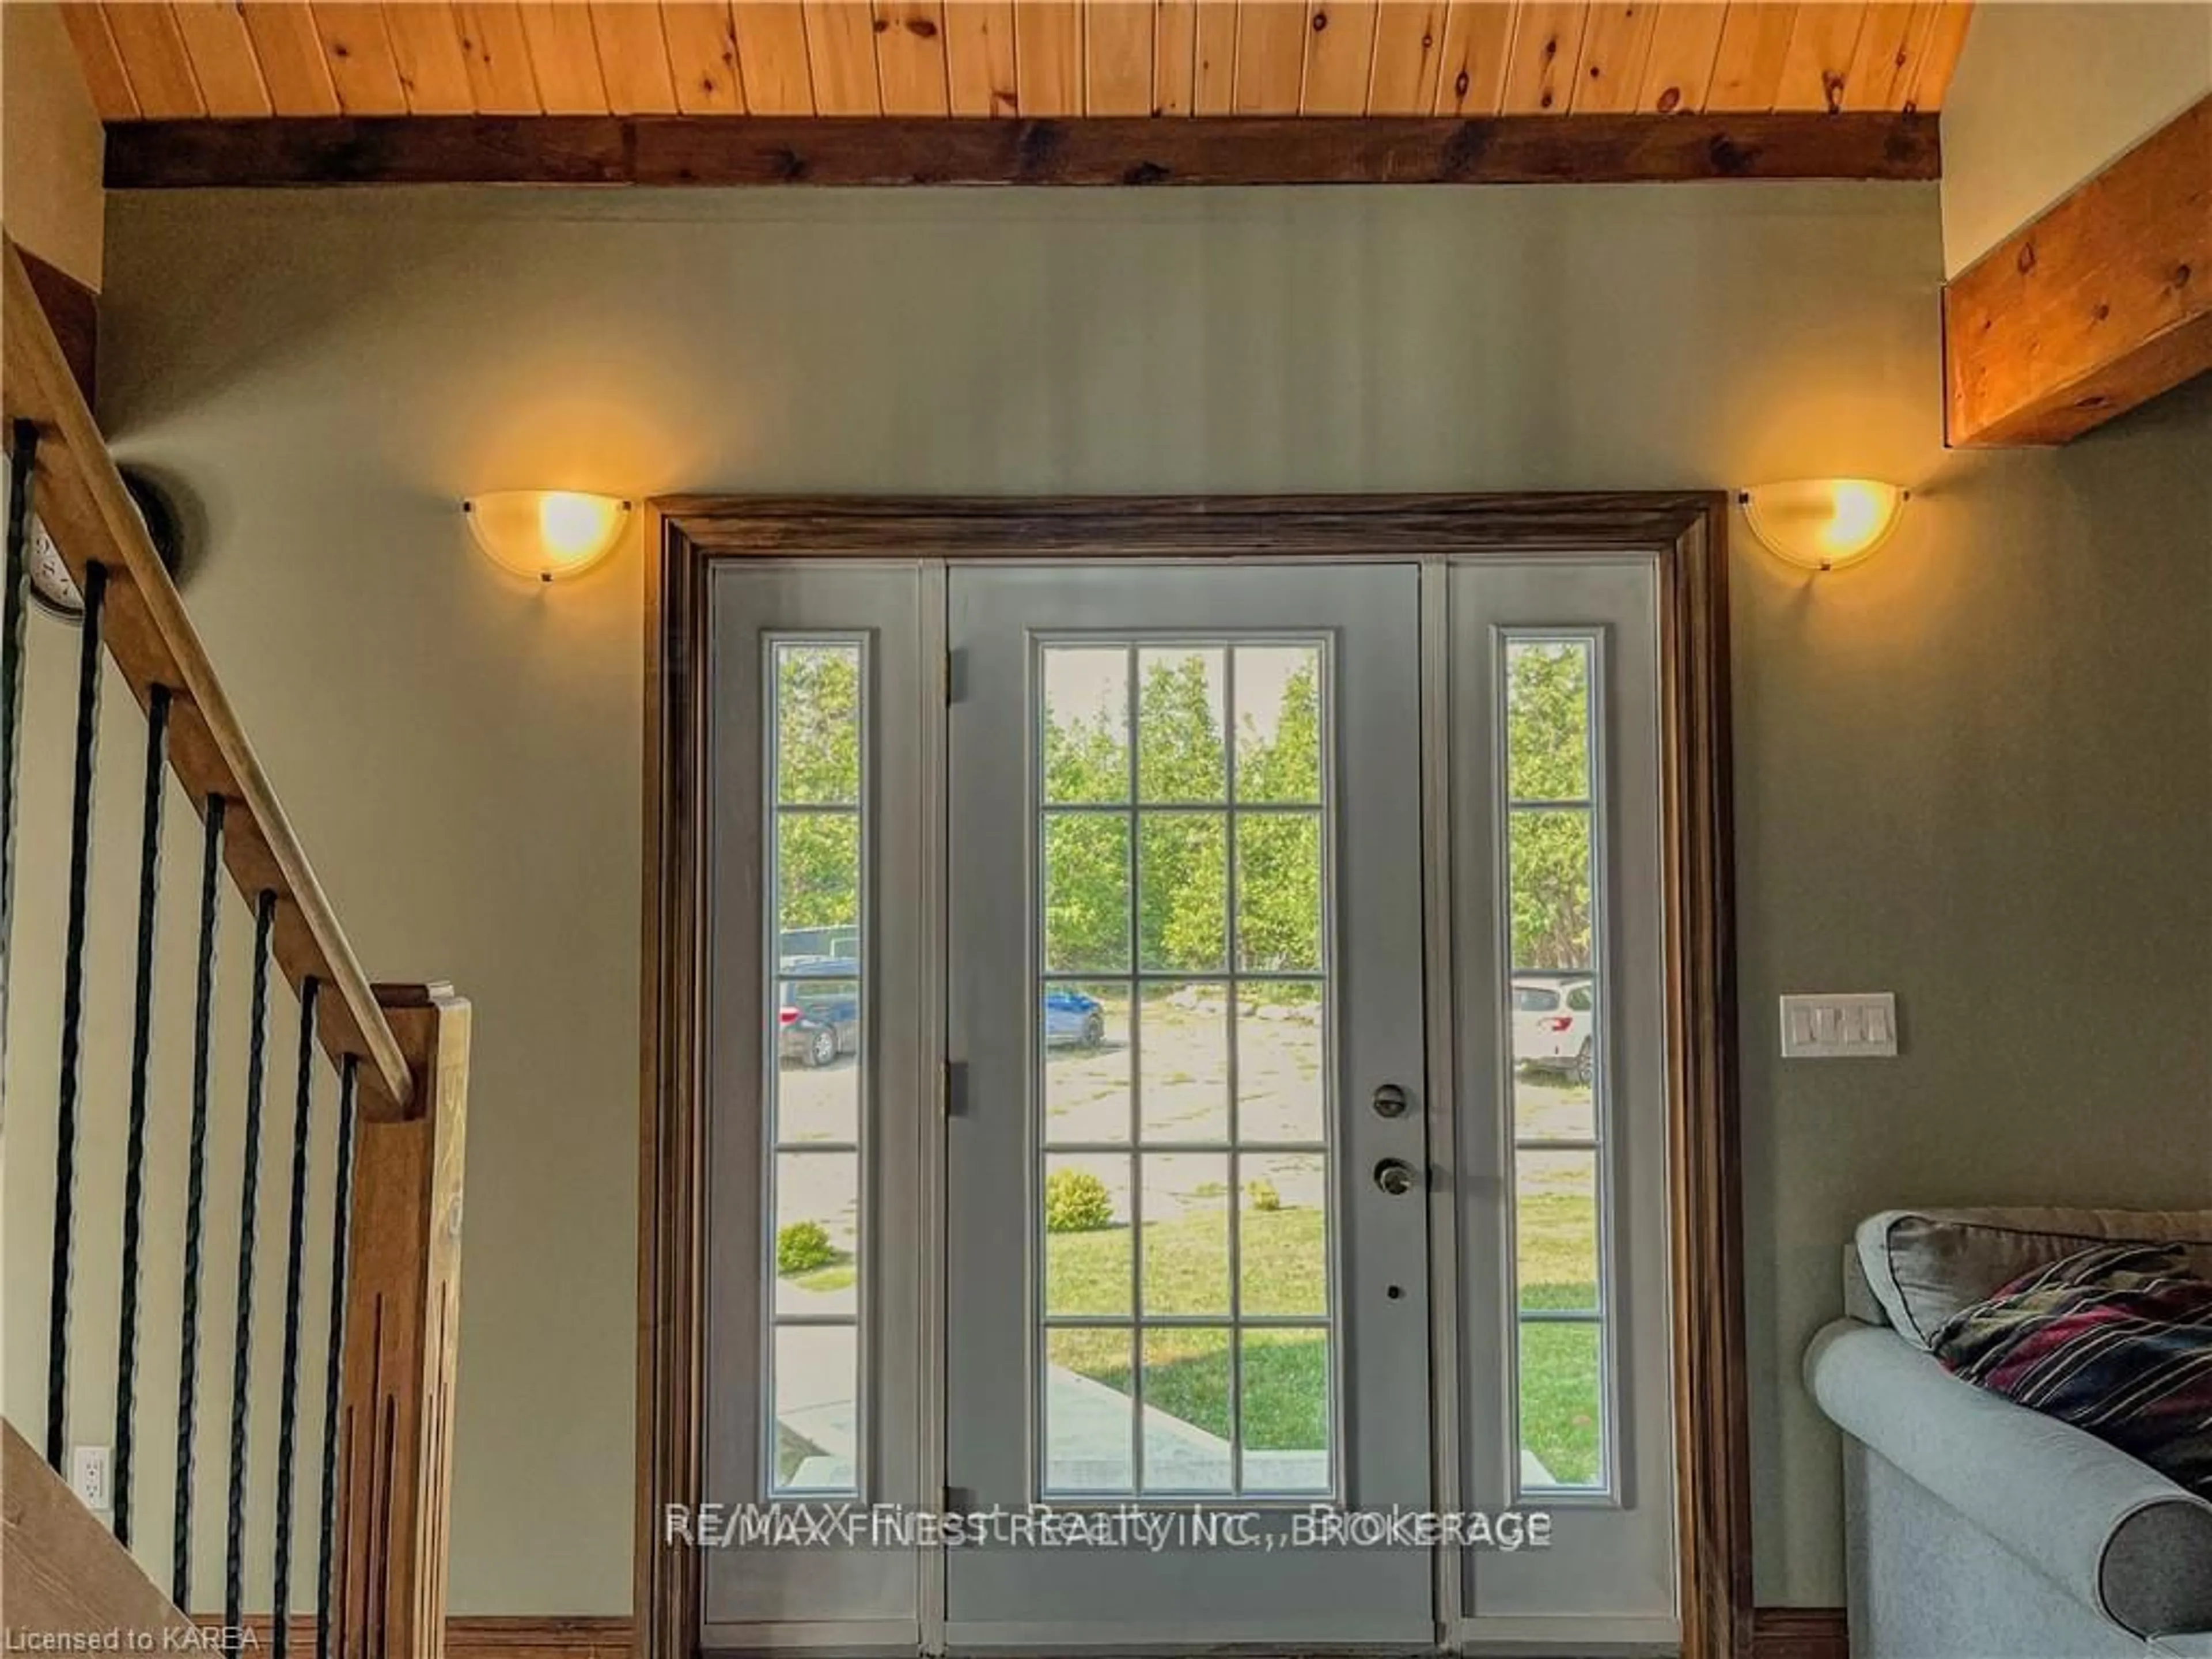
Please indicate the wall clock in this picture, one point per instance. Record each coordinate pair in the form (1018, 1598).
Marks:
(52, 586)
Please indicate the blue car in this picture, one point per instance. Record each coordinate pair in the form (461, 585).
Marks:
(1072, 1019)
(818, 1022)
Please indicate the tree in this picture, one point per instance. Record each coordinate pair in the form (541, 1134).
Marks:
(1547, 757)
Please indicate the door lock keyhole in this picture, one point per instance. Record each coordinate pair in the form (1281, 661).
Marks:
(1390, 1101)
(1396, 1177)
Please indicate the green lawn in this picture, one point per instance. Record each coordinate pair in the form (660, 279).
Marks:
(1287, 1372)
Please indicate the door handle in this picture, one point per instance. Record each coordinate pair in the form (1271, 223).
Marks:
(1396, 1177)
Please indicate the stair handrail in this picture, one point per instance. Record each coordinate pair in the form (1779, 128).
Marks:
(82, 500)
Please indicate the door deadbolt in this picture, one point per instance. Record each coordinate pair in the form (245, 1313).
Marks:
(1390, 1101)
(1396, 1177)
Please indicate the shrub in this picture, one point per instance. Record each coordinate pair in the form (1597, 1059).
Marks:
(1076, 1201)
(1262, 1191)
(803, 1246)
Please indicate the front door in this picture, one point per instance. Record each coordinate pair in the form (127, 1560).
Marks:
(1186, 1171)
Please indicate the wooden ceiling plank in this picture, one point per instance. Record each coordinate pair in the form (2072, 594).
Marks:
(772, 55)
(633, 58)
(2097, 307)
(656, 151)
(1175, 56)
(702, 56)
(1946, 36)
(1822, 47)
(1615, 49)
(152, 48)
(840, 50)
(1213, 58)
(496, 55)
(910, 66)
(1678, 72)
(434, 70)
(221, 54)
(358, 48)
(1541, 65)
(1271, 57)
(979, 57)
(1754, 44)
(564, 57)
(290, 52)
(1118, 39)
(105, 78)
(1409, 46)
(1471, 78)
(1340, 55)
(1048, 57)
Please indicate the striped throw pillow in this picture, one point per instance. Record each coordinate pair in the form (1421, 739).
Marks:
(2116, 1340)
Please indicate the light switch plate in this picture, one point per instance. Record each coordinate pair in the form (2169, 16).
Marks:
(1832, 1026)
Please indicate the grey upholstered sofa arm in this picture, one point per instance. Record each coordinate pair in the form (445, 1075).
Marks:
(2114, 1533)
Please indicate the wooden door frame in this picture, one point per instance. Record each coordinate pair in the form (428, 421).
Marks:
(1686, 530)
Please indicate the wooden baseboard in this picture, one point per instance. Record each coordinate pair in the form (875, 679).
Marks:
(1800, 1633)
(1775, 1633)
(488, 1637)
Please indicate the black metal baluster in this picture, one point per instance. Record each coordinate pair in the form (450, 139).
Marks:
(15, 611)
(334, 1361)
(141, 1054)
(256, 1066)
(295, 1252)
(196, 1194)
(72, 1066)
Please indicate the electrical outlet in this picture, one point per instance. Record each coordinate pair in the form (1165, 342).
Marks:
(88, 1477)
(1837, 1027)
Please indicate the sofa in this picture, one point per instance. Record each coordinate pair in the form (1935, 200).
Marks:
(1977, 1529)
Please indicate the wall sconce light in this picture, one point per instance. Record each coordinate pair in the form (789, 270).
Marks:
(544, 533)
(1823, 524)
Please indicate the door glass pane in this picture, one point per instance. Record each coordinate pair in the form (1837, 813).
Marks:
(1084, 1034)
(1182, 875)
(1086, 892)
(1183, 1037)
(816, 1033)
(815, 1382)
(1086, 725)
(1088, 1263)
(1187, 1423)
(1230, 1048)
(1552, 792)
(1555, 1230)
(1286, 1417)
(1090, 1444)
(1278, 879)
(1278, 727)
(1547, 703)
(1181, 754)
(1280, 1087)
(817, 1233)
(1185, 1238)
(816, 1058)
(1562, 1419)
(1283, 1234)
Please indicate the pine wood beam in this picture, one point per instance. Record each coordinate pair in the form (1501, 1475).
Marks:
(2101, 304)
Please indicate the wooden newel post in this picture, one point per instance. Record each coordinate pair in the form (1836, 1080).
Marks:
(395, 1416)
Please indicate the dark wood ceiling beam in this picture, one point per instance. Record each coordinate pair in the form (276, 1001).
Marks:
(677, 150)
(2101, 304)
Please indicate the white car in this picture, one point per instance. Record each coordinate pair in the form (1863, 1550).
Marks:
(1555, 1025)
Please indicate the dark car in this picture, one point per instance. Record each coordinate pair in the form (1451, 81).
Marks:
(819, 1017)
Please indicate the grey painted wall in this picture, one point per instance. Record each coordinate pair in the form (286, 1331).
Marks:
(1978, 771)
